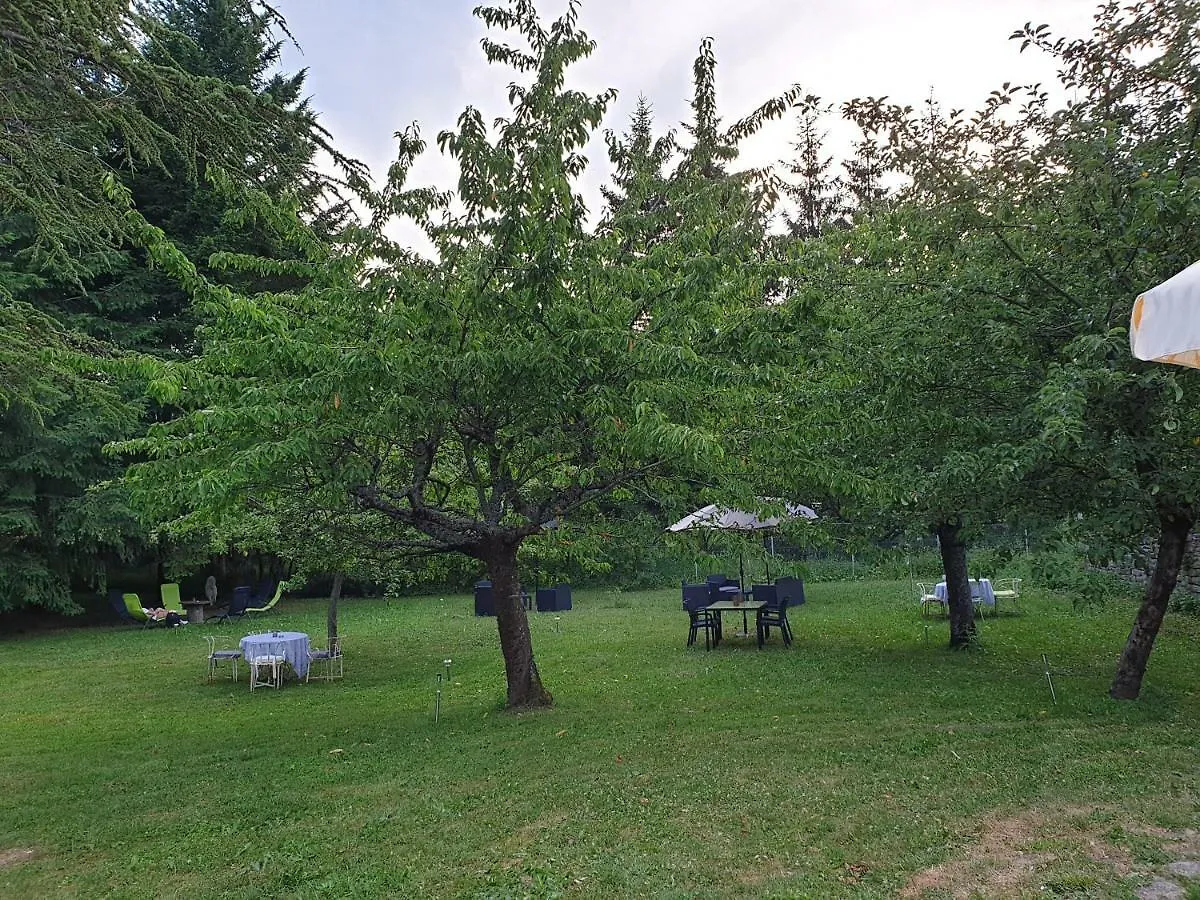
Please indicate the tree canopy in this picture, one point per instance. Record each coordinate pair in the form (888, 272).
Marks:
(975, 330)
(142, 96)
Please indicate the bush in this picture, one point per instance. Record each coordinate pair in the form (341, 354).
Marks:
(876, 565)
(1065, 572)
(1185, 602)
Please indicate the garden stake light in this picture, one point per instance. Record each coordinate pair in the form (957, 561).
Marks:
(446, 664)
(437, 700)
(1049, 680)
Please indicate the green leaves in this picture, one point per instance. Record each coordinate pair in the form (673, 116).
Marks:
(533, 370)
(976, 361)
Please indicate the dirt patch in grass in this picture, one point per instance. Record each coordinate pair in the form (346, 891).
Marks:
(1014, 853)
(1183, 844)
(531, 831)
(16, 855)
(764, 868)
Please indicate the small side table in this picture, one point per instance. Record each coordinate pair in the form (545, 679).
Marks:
(195, 610)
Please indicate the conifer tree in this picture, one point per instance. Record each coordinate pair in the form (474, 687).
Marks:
(133, 93)
(819, 198)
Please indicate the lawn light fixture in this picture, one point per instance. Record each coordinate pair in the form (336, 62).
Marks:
(1049, 680)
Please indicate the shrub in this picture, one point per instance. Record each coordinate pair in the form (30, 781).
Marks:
(1065, 572)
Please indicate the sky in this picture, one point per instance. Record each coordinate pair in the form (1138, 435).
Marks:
(377, 66)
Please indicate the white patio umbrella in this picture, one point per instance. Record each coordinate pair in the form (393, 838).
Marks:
(722, 518)
(1165, 325)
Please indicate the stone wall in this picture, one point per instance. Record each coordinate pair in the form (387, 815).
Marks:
(1136, 567)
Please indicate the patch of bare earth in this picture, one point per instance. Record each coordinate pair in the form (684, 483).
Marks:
(1002, 862)
(763, 868)
(16, 855)
(520, 839)
(1183, 844)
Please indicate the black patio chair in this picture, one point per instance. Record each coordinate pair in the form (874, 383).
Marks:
(485, 599)
(791, 588)
(263, 591)
(562, 600)
(238, 605)
(485, 603)
(695, 602)
(116, 599)
(554, 599)
(773, 615)
(767, 593)
(722, 587)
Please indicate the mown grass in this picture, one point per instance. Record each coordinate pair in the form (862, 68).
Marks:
(843, 767)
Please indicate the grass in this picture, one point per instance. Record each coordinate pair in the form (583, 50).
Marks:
(861, 759)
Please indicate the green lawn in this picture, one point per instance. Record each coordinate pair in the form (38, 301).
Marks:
(862, 758)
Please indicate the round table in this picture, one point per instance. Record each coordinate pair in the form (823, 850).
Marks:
(291, 645)
(981, 592)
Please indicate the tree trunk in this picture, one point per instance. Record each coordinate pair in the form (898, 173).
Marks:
(958, 585)
(1174, 527)
(331, 629)
(525, 689)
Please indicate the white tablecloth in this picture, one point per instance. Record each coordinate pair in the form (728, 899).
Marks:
(291, 645)
(981, 591)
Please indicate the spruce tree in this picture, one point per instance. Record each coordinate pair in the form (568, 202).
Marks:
(819, 198)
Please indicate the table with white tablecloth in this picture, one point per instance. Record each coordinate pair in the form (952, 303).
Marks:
(981, 592)
(291, 645)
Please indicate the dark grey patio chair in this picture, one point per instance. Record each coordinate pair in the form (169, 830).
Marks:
(695, 602)
(238, 605)
(774, 616)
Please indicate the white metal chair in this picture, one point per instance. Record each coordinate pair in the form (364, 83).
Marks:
(216, 656)
(269, 663)
(330, 659)
(928, 598)
(1007, 589)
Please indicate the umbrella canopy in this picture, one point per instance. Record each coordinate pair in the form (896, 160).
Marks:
(720, 518)
(724, 519)
(1165, 326)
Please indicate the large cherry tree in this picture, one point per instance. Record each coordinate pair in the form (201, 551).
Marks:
(466, 403)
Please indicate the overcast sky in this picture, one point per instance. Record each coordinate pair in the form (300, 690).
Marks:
(376, 66)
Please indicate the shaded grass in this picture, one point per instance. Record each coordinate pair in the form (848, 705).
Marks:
(865, 754)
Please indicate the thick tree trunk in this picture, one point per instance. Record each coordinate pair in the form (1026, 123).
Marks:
(1174, 527)
(524, 683)
(331, 629)
(958, 585)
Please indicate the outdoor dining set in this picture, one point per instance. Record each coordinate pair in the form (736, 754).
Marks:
(706, 604)
(271, 655)
(986, 594)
